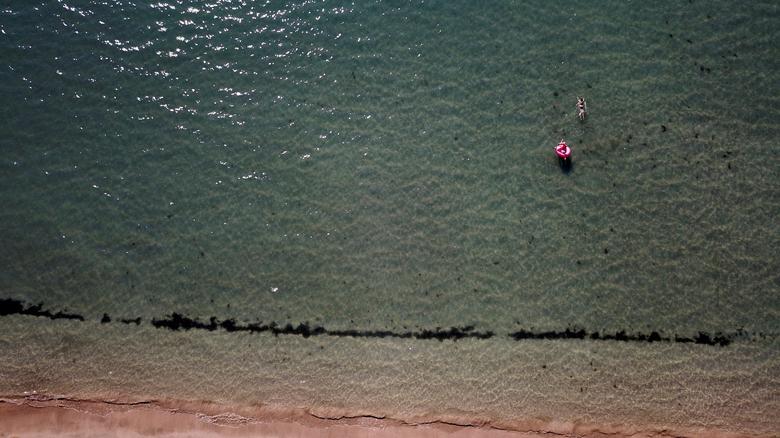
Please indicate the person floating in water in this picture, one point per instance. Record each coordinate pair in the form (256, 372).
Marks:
(563, 151)
(582, 108)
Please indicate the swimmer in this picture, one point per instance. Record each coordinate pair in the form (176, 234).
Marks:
(563, 151)
(582, 108)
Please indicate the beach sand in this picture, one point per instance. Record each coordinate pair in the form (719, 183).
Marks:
(39, 416)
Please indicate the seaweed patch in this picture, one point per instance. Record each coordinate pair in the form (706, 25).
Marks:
(701, 338)
(177, 321)
(136, 321)
(15, 307)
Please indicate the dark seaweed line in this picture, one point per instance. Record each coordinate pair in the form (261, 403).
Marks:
(16, 307)
(703, 338)
(177, 322)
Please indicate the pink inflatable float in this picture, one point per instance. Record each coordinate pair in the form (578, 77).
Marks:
(563, 151)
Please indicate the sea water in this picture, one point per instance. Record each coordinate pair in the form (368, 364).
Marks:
(381, 177)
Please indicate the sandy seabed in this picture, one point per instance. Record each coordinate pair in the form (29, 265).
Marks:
(61, 417)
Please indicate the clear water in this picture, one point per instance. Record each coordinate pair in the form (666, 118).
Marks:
(386, 166)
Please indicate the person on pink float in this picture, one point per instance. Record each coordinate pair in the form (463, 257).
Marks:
(563, 151)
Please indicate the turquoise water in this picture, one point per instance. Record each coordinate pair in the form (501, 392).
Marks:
(388, 166)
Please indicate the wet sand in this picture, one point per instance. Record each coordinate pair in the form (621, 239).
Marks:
(40, 416)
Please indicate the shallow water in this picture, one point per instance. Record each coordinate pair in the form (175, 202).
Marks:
(386, 167)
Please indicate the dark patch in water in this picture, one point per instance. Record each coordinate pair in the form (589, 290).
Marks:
(706, 339)
(701, 338)
(177, 321)
(566, 165)
(136, 321)
(15, 307)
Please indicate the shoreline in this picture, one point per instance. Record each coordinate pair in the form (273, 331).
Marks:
(44, 416)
